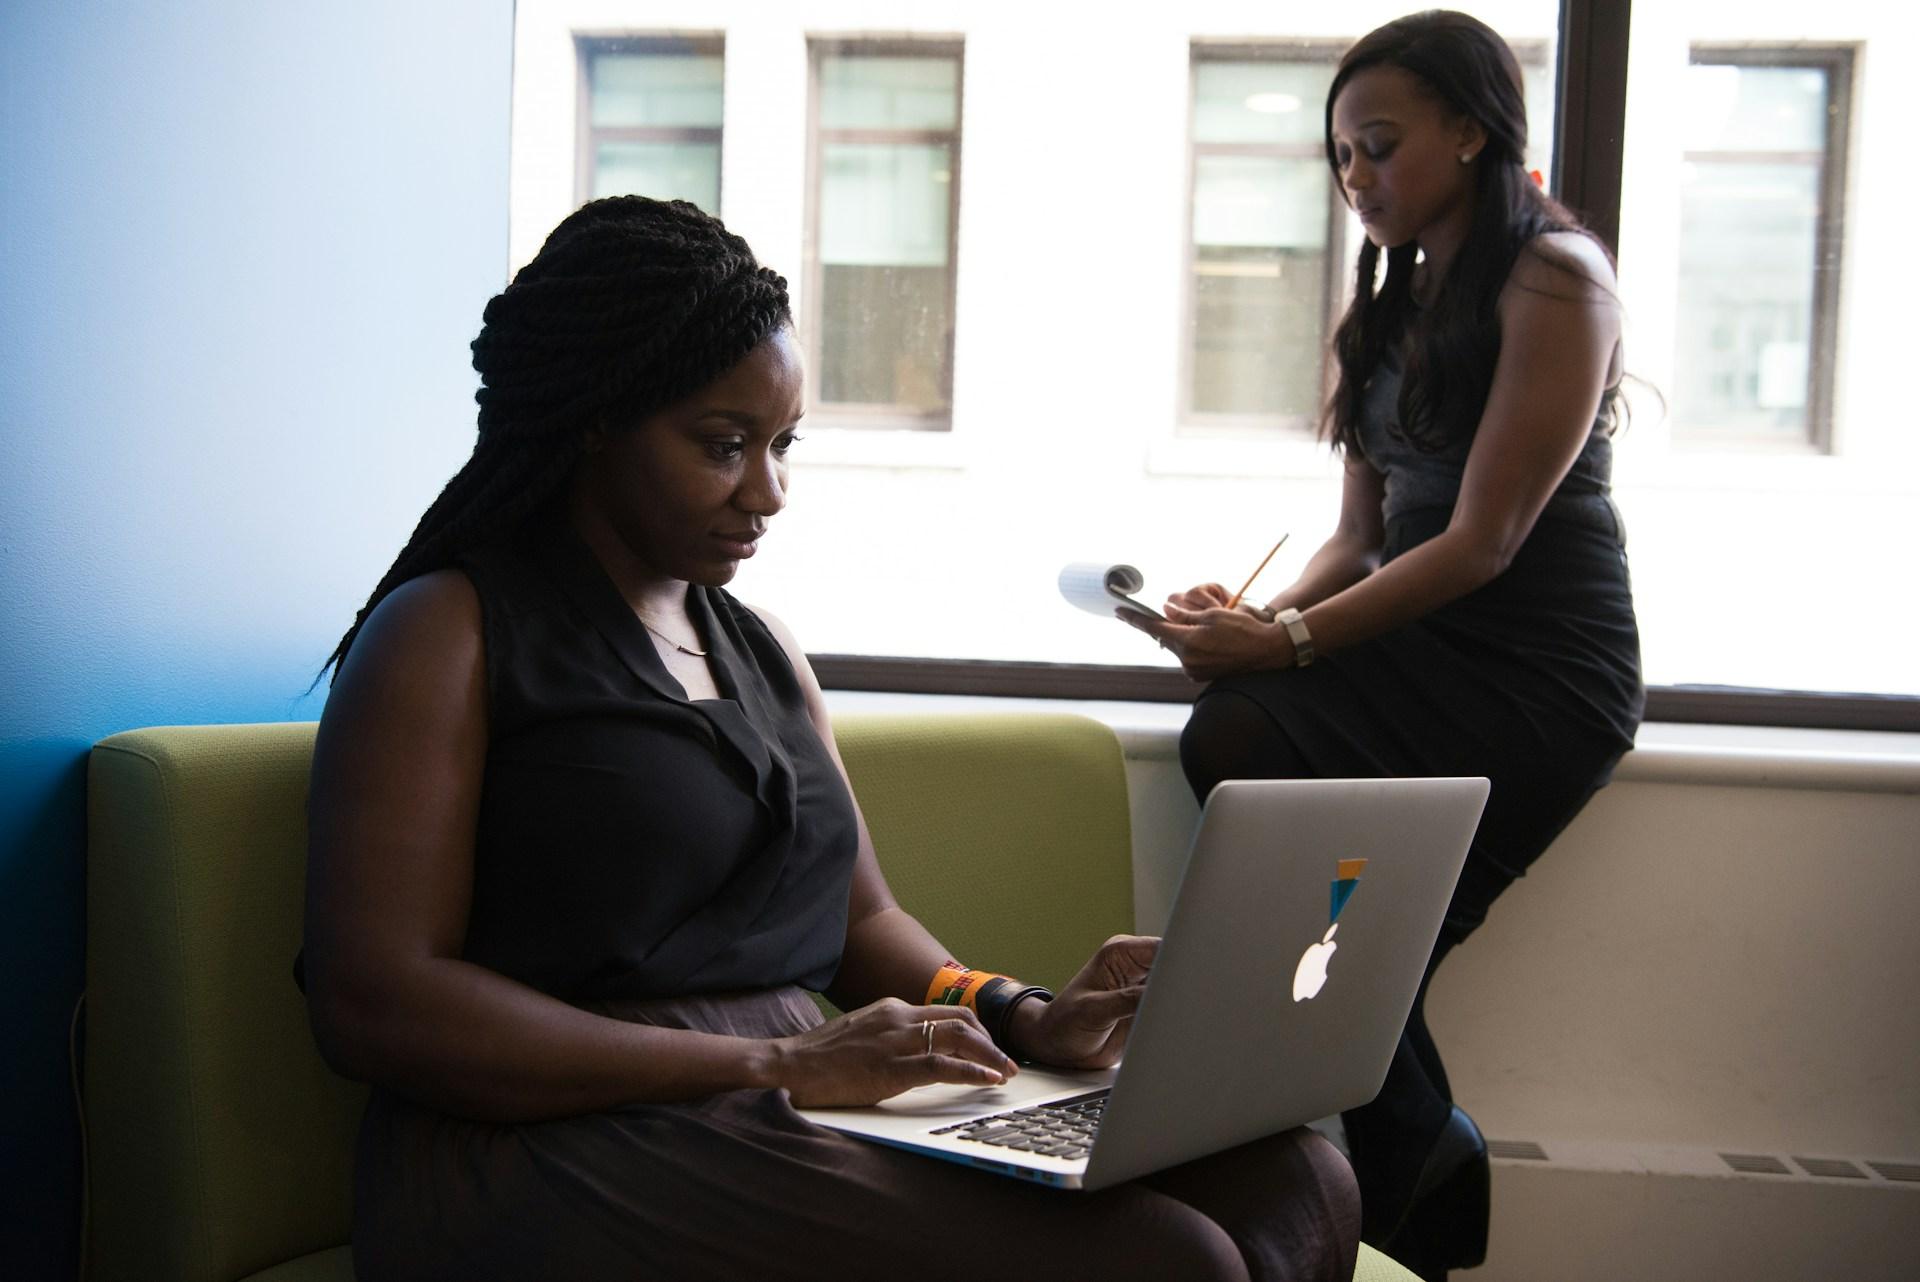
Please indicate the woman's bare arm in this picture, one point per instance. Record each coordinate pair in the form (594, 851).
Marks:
(1354, 550)
(889, 955)
(1560, 326)
(396, 788)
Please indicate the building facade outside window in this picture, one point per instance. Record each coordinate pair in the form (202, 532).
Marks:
(883, 212)
(1270, 241)
(650, 118)
(1265, 239)
(1762, 211)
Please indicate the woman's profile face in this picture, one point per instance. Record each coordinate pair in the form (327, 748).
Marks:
(689, 490)
(1398, 149)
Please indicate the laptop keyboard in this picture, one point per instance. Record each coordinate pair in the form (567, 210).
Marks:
(1062, 1129)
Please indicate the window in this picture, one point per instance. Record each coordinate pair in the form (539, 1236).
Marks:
(1270, 242)
(1775, 463)
(1111, 368)
(884, 203)
(1760, 226)
(1264, 238)
(650, 119)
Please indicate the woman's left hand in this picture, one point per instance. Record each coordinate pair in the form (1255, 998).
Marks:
(1218, 642)
(1086, 1024)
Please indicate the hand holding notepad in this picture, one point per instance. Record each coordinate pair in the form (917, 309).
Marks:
(1103, 589)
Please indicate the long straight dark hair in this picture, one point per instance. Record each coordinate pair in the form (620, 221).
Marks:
(1451, 346)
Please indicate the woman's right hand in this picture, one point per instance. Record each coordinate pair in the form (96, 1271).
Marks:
(883, 1049)
(1211, 596)
(1207, 596)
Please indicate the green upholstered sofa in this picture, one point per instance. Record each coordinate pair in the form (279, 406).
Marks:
(219, 1144)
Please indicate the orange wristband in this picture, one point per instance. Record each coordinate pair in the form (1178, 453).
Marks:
(956, 985)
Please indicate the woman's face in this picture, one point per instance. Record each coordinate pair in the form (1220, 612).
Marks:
(1398, 149)
(689, 491)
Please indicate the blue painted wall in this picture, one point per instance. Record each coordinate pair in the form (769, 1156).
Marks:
(243, 246)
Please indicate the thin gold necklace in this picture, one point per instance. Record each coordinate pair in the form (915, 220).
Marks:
(683, 649)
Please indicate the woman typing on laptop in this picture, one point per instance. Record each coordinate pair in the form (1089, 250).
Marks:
(582, 844)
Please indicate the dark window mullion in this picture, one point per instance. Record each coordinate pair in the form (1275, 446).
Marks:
(1590, 127)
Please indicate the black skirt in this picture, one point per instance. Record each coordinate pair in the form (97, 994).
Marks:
(1532, 680)
(740, 1186)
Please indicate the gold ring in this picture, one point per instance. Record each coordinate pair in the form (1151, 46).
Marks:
(927, 1024)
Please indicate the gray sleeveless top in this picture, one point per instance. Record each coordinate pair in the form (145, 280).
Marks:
(1418, 478)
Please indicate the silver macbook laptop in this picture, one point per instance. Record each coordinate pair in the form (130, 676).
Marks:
(1304, 920)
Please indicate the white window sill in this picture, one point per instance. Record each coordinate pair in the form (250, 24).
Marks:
(1665, 752)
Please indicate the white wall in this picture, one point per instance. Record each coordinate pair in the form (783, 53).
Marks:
(1718, 956)
(244, 247)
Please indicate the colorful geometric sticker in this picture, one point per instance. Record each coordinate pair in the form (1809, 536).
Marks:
(1348, 882)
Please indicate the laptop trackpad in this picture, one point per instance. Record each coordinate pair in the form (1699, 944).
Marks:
(926, 1107)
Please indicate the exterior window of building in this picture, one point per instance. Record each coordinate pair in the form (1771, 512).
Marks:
(650, 113)
(884, 198)
(1265, 239)
(1270, 243)
(1760, 230)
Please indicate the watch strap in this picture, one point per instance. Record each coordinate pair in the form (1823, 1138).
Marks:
(1296, 627)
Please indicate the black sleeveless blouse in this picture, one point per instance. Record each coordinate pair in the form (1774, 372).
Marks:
(1418, 477)
(633, 843)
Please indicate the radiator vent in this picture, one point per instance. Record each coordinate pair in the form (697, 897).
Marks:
(1601, 1156)
(1905, 1172)
(1755, 1164)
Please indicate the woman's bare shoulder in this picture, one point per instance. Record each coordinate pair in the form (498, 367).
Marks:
(426, 633)
(1570, 265)
(779, 631)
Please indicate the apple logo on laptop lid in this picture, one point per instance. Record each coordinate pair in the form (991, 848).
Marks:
(1310, 976)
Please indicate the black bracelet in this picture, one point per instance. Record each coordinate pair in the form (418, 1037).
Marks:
(995, 1005)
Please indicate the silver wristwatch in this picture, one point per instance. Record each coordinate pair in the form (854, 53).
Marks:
(1302, 639)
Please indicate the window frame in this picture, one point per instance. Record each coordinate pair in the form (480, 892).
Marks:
(1591, 56)
(1191, 422)
(1836, 60)
(861, 414)
(1337, 282)
(588, 137)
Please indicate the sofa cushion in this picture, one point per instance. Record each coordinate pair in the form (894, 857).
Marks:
(219, 1143)
(220, 1146)
(1007, 836)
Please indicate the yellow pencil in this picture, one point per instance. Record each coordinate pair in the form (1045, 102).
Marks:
(1235, 603)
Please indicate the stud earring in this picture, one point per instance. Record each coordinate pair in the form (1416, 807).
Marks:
(1466, 158)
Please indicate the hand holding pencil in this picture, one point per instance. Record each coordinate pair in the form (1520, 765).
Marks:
(1212, 596)
(1214, 633)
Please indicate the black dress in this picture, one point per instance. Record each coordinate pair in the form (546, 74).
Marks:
(686, 864)
(1532, 680)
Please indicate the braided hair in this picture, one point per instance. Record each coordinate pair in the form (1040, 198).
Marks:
(631, 305)
(1452, 347)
